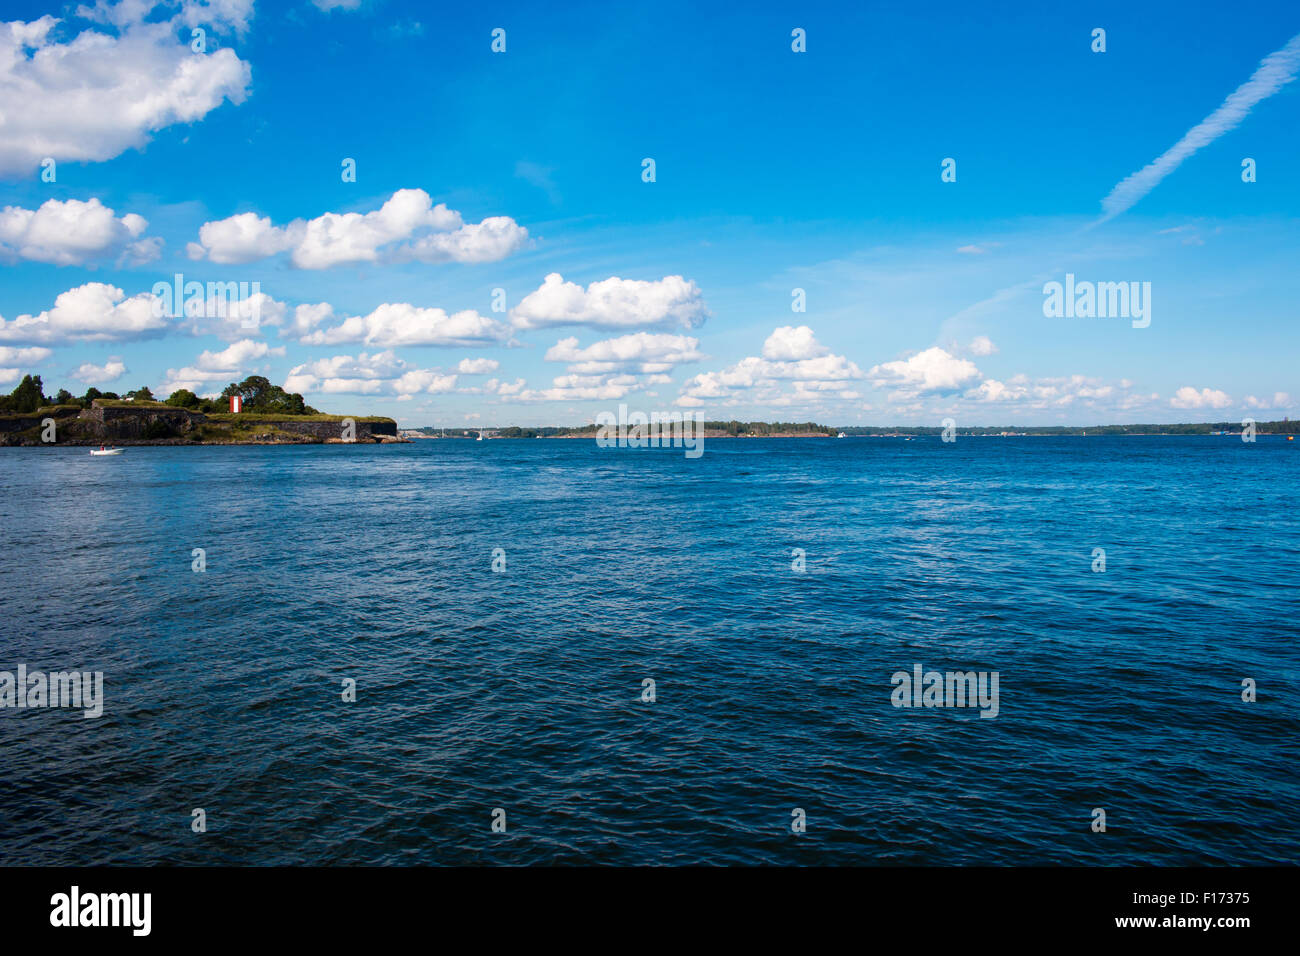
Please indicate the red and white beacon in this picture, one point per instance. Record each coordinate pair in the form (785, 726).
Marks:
(236, 404)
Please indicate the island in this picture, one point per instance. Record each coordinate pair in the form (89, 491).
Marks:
(268, 416)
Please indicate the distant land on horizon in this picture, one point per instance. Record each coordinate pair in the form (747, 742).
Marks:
(737, 429)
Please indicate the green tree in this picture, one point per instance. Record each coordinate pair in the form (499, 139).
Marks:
(141, 394)
(184, 398)
(64, 398)
(28, 396)
(260, 396)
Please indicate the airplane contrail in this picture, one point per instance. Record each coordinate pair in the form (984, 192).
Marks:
(1274, 72)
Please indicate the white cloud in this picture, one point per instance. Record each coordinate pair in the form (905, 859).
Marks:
(380, 373)
(1279, 400)
(100, 93)
(643, 352)
(397, 324)
(94, 312)
(982, 345)
(239, 239)
(226, 317)
(1274, 71)
(229, 364)
(72, 232)
(1189, 397)
(1054, 392)
(408, 226)
(814, 379)
(931, 371)
(92, 374)
(29, 356)
(565, 388)
(477, 366)
(791, 343)
(612, 303)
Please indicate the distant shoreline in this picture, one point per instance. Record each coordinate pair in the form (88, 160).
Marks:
(715, 430)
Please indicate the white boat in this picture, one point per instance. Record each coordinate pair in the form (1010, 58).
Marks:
(841, 435)
(107, 451)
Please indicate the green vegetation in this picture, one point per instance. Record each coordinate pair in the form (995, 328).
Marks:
(26, 398)
(1193, 428)
(739, 429)
(260, 396)
(762, 429)
(184, 398)
(267, 411)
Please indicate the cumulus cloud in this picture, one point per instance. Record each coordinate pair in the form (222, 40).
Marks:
(928, 372)
(408, 226)
(612, 303)
(106, 90)
(1274, 71)
(478, 366)
(94, 312)
(643, 352)
(72, 232)
(576, 388)
(792, 343)
(28, 356)
(614, 368)
(380, 373)
(1189, 397)
(1059, 392)
(91, 374)
(1279, 400)
(234, 317)
(811, 375)
(227, 365)
(982, 345)
(398, 324)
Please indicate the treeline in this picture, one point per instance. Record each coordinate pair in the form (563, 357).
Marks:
(736, 429)
(1193, 428)
(258, 394)
(732, 428)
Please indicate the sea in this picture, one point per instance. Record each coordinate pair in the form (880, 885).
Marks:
(542, 651)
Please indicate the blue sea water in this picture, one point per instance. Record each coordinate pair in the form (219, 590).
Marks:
(521, 690)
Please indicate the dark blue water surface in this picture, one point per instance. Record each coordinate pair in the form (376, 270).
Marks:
(521, 690)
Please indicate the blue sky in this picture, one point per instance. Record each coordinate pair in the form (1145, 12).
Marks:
(775, 170)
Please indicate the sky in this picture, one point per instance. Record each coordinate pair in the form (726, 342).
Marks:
(854, 213)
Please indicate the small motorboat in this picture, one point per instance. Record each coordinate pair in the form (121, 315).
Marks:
(107, 451)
